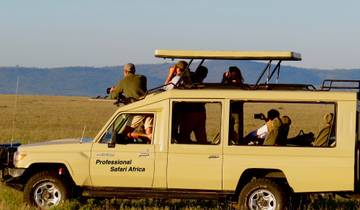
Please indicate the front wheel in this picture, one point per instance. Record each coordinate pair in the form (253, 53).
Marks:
(262, 194)
(45, 190)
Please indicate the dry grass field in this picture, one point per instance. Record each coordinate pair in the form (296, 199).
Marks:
(40, 118)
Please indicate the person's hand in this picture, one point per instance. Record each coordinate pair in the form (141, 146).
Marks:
(226, 74)
(149, 136)
(262, 117)
(112, 89)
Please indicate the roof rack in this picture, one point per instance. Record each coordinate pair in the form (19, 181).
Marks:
(330, 84)
(262, 86)
(283, 86)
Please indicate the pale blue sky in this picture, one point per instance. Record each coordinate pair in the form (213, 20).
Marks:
(53, 33)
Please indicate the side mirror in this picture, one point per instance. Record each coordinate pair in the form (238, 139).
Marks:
(112, 143)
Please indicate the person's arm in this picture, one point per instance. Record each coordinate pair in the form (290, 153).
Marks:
(116, 91)
(147, 136)
(262, 131)
(144, 83)
(170, 75)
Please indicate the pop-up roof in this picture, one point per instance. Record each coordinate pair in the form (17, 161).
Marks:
(228, 55)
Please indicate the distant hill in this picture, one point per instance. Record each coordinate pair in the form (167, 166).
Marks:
(91, 81)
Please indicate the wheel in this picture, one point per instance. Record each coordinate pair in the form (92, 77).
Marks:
(45, 190)
(262, 194)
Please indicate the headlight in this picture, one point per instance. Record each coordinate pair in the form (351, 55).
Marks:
(18, 156)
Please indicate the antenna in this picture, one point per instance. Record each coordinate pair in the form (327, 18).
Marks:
(82, 135)
(15, 109)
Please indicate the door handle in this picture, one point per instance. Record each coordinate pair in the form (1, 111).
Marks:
(144, 154)
(213, 156)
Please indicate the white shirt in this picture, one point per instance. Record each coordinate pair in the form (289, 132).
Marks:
(262, 131)
(172, 83)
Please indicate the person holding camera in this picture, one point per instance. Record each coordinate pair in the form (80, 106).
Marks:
(132, 87)
(264, 130)
(233, 77)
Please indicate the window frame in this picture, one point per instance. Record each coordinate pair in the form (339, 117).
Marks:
(111, 124)
(222, 104)
(243, 101)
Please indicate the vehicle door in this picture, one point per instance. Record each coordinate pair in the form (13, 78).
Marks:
(124, 157)
(195, 149)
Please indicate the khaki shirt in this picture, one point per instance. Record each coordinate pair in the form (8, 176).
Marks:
(132, 86)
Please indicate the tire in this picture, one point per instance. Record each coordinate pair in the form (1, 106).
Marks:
(45, 190)
(262, 194)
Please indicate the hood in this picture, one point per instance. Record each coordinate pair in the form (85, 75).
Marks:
(59, 143)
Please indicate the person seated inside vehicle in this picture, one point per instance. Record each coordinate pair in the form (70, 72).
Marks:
(259, 135)
(139, 128)
(233, 77)
(264, 129)
(278, 134)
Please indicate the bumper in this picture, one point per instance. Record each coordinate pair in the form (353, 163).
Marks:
(12, 177)
(11, 172)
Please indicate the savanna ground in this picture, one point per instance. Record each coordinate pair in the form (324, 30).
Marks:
(28, 119)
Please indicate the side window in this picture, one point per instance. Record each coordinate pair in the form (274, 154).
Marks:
(282, 124)
(196, 123)
(130, 128)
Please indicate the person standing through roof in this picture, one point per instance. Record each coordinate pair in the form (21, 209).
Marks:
(199, 75)
(132, 86)
(191, 116)
(178, 74)
(233, 77)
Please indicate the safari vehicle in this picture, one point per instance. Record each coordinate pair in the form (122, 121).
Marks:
(201, 147)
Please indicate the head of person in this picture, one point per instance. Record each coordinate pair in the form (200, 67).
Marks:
(201, 73)
(235, 75)
(180, 67)
(129, 68)
(272, 114)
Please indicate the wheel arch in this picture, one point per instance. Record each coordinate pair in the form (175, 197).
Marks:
(276, 175)
(59, 169)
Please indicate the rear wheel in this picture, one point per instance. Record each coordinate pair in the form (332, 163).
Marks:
(45, 190)
(262, 194)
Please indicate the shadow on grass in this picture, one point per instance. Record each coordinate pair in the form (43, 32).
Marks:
(112, 204)
(323, 201)
(301, 202)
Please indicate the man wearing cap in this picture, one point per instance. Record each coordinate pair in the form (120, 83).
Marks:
(132, 86)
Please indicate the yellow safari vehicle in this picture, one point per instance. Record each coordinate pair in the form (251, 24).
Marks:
(256, 144)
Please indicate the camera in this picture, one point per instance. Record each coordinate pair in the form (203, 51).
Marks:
(260, 116)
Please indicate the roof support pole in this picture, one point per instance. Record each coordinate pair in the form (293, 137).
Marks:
(263, 72)
(276, 69)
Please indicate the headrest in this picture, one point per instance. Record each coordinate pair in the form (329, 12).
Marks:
(285, 120)
(328, 118)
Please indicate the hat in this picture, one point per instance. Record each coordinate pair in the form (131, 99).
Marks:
(328, 117)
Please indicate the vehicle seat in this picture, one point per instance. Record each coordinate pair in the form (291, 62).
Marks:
(286, 122)
(322, 139)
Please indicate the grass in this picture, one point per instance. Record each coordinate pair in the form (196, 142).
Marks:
(40, 118)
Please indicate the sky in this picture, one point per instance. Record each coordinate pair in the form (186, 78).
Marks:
(58, 33)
